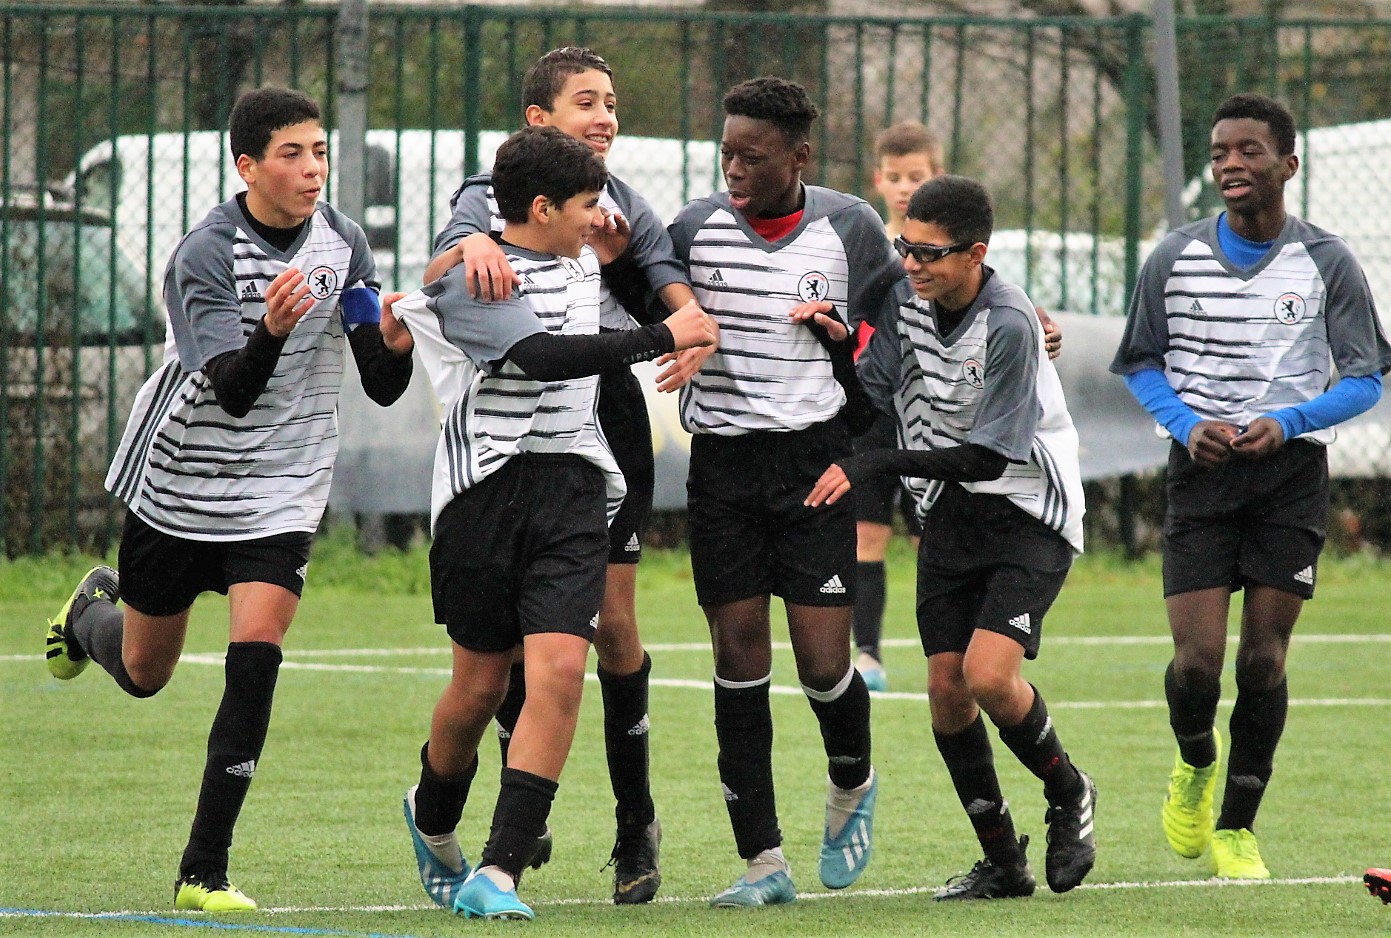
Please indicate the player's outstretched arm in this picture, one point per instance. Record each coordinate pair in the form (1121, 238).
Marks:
(487, 273)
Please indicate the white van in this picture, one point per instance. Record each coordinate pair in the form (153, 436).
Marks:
(156, 185)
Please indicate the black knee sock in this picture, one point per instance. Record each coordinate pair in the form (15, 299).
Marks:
(843, 713)
(440, 799)
(234, 746)
(511, 708)
(871, 591)
(98, 631)
(1258, 720)
(1191, 715)
(972, 769)
(744, 729)
(1035, 743)
(625, 743)
(523, 805)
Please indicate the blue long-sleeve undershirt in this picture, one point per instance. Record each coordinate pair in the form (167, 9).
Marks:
(1345, 400)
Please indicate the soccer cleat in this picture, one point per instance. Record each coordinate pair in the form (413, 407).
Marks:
(845, 856)
(1071, 839)
(480, 897)
(774, 889)
(440, 881)
(210, 894)
(65, 660)
(1379, 884)
(545, 844)
(988, 881)
(634, 859)
(1237, 856)
(875, 677)
(1187, 812)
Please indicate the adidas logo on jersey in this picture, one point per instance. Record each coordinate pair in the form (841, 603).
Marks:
(633, 544)
(641, 727)
(249, 294)
(243, 770)
(833, 585)
(1305, 576)
(1196, 307)
(716, 279)
(1021, 622)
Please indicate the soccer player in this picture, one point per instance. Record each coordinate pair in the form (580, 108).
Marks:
(227, 457)
(784, 268)
(1232, 330)
(571, 88)
(524, 488)
(1379, 884)
(991, 453)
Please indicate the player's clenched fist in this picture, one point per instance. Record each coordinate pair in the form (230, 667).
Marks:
(691, 327)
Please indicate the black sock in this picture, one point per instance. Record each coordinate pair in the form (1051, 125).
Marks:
(871, 590)
(1258, 720)
(440, 799)
(844, 721)
(625, 743)
(98, 631)
(972, 769)
(511, 708)
(234, 746)
(519, 820)
(1035, 744)
(1192, 713)
(744, 730)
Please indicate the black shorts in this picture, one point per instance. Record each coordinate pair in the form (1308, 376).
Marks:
(623, 418)
(522, 552)
(750, 533)
(162, 575)
(985, 563)
(876, 498)
(1246, 521)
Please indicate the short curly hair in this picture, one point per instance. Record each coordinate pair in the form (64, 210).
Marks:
(780, 102)
(1266, 110)
(959, 206)
(543, 161)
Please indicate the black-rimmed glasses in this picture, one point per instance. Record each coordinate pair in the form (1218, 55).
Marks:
(927, 253)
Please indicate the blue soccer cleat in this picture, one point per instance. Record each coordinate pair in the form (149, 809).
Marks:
(774, 889)
(845, 854)
(440, 881)
(480, 897)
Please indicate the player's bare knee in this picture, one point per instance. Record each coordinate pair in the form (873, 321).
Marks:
(1259, 671)
(149, 673)
(1198, 673)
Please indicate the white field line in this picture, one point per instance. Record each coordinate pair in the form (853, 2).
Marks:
(701, 900)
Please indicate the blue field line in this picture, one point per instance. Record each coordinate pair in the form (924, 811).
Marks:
(193, 923)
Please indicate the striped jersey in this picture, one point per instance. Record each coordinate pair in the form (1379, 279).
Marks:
(187, 467)
(768, 372)
(988, 382)
(1237, 344)
(475, 209)
(492, 410)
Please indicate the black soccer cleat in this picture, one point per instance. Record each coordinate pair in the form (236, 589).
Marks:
(988, 881)
(1071, 839)
(634, 860)
(1379, 884)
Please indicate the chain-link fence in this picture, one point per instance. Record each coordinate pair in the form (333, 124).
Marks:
(112, 137)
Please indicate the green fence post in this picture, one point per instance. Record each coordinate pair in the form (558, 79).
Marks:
(473, 86)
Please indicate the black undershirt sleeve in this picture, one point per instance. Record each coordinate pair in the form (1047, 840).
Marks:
(969, 462)
(628, 284)
(859, 412)
(547, 356)
(385, 375)
(239, 377)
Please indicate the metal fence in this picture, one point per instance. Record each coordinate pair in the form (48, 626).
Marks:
(112, 148)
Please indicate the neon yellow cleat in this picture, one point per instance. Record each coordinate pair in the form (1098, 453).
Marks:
(65, 660)
(1187, 811)
(193, 895)
(1236, 855)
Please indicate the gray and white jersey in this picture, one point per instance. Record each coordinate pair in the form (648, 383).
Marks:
(475, 209)
(768, 372)
(1237, 344)
(988, 382)
(492, 410)
(187, 467)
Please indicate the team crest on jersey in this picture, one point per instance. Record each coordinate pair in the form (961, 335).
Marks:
(1289, 308)
(323, 282)
(813, 286)
(975, 373)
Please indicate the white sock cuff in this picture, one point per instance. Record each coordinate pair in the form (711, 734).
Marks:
(743, 685)
(826, 696)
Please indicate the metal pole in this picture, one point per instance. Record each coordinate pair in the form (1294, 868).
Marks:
(1167, 97)
(348, 153)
